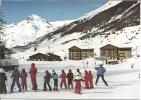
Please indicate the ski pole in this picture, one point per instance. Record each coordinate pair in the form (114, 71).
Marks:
(7, 85)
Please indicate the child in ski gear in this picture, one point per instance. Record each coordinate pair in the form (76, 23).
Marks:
(47, 78)
(63, 79)
(55, 78)
(3, 78)
(23, 79)
(90, 79)
(15, 75)
(78, 78)
(100, 73)
(33, 73)
(86, 77)
(70, 79)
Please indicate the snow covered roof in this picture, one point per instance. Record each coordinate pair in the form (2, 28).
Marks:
(123, 45)
(119, 45)
(83, 47)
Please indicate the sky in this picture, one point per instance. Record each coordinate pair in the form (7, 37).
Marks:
(52, 10)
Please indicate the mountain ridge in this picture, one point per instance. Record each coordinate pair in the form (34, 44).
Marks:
(104, 23)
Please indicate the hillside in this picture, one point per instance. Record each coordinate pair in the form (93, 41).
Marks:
(113, 22)
(29, 29)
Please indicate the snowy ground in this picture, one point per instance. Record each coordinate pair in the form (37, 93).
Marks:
(122, 79)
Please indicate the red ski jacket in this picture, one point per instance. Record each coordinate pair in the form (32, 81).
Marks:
(63, 76)
(23, 75)
(90, 76)
(86, 76)
(33, 72)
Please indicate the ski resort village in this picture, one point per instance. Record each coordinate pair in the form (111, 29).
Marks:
(94, 56)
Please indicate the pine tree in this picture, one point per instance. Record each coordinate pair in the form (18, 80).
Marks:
(2, 34)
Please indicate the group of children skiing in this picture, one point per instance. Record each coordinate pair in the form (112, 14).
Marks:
(66, 80)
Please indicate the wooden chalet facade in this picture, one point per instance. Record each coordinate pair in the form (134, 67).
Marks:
(53, 57)
(125, 52)
(44, 57)
(76, 53)
(38, 57)
(116, 53)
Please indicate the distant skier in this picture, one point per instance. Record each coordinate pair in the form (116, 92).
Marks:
(3, 78)
(63, 79)
(47, 78)
(90, 79)
(55, 78)
(15, 76)
(33, 73)
(100, 73)
(132, 65)
(70, 79)
(86, 78)
(78, 79)
(23, 79)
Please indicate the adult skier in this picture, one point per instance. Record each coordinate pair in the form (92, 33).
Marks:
(33, 73)
(90, 79)
(63, 79)
(15, 76)
(78, 79)
(23, 79)
(3, 78)
(86, 78)
(55, 78)
(100, 73)
(70, 78)
(47, 78)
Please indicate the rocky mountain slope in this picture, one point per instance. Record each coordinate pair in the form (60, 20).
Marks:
(103, 21)
(29, 29)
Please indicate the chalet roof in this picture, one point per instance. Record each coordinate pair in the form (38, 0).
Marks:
(38, 54)
(124, 46)
(121, 46)
(47, 55)
(109, 45)
(82, 47)
(74, 47)
(51, 54)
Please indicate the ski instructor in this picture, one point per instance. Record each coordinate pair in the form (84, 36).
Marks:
(100, 73)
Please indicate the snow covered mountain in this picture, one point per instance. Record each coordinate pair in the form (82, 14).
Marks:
(113, 22)
(29, 30)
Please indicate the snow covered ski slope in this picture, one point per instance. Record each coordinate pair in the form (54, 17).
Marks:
(122, 79)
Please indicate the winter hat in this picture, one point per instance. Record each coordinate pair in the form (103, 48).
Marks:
(46, 71)
(23, 70)
(70, 71)
(1, 70)
(101, 65)
(33, 65)
(78, 70)
(62, 71)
